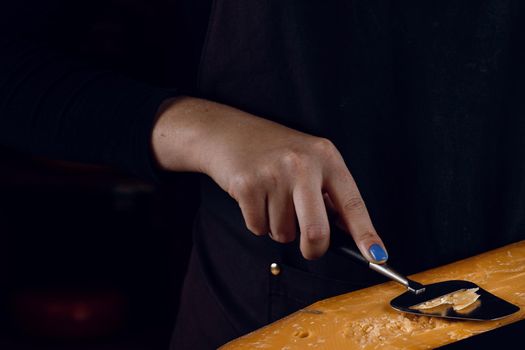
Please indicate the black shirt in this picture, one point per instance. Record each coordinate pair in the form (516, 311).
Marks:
(424, 100)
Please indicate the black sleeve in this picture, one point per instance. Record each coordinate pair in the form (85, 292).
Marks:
(57, 104)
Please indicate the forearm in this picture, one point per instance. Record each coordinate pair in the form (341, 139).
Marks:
(276, 174)
(188, 130)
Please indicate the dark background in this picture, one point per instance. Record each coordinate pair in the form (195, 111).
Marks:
(90, 240)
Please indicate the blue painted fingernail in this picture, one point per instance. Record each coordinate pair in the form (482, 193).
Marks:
(378, 253)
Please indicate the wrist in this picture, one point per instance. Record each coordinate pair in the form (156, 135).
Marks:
(177, 135)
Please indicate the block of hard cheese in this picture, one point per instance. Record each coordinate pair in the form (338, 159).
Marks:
(364, 319)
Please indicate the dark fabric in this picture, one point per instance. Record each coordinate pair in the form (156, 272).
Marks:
(416, 97)
(424, 100)
(201, 322)
(229, 289)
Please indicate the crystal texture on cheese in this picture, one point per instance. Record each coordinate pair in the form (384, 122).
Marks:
(364, 319)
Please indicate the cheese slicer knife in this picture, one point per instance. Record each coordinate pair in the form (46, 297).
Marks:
(487, 307)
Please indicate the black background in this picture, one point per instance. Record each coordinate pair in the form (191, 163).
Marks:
(68, 228)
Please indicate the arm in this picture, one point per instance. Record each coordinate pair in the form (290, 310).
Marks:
(53, 104)
(277, 175)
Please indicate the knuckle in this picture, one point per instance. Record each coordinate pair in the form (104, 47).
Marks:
(368, 235)
(240, 186)
(270, 175)
(283, 228)
(325, 147)
(286, 237)
(354, 204)
(315, 232)
(282, 238)
(311, 254)
(256, 228)
(294, 161)
(254, 219)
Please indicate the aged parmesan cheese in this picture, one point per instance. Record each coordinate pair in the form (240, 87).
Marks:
(364, 320)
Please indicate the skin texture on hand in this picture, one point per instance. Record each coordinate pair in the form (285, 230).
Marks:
(278, 176)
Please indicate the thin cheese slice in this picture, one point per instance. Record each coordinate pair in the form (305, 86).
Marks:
(364, 319)
(458, 300)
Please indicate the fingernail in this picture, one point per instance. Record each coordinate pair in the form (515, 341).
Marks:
(377, 252)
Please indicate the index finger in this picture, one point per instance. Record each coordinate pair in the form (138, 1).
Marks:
(351, 208)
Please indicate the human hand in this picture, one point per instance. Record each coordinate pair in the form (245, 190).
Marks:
(277, 175)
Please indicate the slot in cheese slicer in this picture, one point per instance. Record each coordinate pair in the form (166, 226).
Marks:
(436, 299)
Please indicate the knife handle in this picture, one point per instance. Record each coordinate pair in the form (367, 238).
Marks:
(349, 252)
(340, 245)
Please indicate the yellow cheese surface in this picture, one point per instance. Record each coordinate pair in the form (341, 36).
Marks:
(364, 319)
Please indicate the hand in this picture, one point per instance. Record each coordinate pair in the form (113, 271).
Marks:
(278, 176)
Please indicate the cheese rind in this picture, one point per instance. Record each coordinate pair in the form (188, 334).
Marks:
(364, 320)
